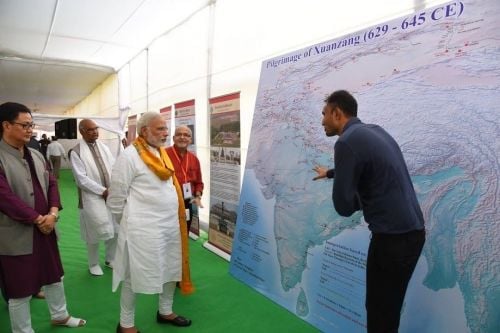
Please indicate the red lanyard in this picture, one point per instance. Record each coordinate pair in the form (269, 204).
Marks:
(180, 163)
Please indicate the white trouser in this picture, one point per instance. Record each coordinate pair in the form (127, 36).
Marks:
(109, 251)
(166, 299)
(19, 308)
(127, 302)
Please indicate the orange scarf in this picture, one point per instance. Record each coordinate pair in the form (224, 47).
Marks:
(164, 169)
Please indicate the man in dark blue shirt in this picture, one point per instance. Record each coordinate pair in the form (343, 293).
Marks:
(371, 175)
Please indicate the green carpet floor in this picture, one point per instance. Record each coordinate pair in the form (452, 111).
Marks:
(220, 304)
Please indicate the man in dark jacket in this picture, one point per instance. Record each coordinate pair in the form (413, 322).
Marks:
(371, 175)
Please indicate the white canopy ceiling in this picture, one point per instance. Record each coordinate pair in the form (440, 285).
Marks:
(53, 53)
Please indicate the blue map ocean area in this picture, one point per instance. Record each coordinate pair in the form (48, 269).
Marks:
(254, 258)
(434, 88)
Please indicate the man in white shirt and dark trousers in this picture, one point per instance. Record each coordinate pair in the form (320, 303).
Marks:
(91, 162)
(54, 153)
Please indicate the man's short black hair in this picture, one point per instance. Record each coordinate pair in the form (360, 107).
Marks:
(343, 100)
(10, 111)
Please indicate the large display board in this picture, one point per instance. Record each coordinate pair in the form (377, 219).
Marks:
(432, 80)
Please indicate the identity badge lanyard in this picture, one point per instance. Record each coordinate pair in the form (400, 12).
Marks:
(186, 187)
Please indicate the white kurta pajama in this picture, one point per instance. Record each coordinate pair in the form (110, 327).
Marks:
(96, 221)
(149, 240)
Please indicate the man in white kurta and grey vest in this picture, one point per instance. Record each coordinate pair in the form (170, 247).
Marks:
(152, 251)
(91, 162)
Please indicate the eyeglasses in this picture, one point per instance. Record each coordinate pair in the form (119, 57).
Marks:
(186, 135)
(25, 126)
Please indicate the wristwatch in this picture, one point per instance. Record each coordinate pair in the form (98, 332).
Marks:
(55, 215)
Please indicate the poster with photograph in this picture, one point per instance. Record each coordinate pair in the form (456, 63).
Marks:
(132, 129)
(166, 113)
(185, 115)
(224, 169)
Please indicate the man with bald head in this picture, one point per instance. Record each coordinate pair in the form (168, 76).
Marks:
(91, 162)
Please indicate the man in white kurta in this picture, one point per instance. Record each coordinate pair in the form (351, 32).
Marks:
(151, 252)
(91, 162)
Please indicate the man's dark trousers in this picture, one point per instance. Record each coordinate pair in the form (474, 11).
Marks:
(391, 261)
